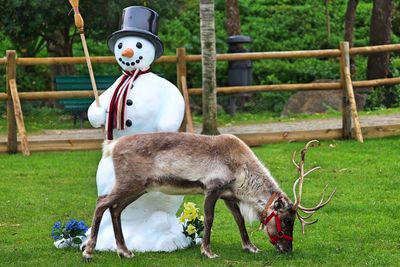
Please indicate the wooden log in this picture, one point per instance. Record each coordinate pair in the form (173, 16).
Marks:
(19, 118)
(80, 60)
(55, 95)
(221, 90)
(220, 57)
(272, 87)
(188, 113)
(345, 58)
(377, 82)
(346, 110)
(374, 49)
(181, 71)
(3, 60)
(11, 122)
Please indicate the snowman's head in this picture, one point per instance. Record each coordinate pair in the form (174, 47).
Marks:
(134, 52)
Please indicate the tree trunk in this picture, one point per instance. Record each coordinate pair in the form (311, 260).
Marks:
(232, 26)
(208, 56)
(328, 22)
(59, 44)
(380, 30)
(349, 19)
(232, 22)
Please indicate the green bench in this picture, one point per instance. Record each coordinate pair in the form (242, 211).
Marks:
(79, 106)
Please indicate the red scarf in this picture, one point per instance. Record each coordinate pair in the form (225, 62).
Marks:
(116, 109)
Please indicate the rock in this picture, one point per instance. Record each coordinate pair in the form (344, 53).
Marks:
(320, 101)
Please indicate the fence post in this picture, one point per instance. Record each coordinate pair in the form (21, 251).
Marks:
(11, 70)
(346, 111)
(349, 104)
(181, 72)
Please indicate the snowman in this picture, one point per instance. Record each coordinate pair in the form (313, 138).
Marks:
(139, 102)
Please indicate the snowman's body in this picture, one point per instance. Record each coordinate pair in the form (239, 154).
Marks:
(153, 105)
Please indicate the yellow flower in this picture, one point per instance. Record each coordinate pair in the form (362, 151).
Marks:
(191, 229)
(190, 212)
(201, 218)
(190, 207)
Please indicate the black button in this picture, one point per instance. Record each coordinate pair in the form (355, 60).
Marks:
(129, 102)
(128, 123)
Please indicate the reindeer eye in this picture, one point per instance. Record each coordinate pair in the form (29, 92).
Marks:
(287, 221)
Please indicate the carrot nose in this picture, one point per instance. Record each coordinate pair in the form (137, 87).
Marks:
(128, 52)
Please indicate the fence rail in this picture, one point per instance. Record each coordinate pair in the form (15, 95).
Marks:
(181, 59)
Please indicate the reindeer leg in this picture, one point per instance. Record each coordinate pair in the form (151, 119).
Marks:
(103, 203)
(237, 215)
(116, 211)
(209, 205)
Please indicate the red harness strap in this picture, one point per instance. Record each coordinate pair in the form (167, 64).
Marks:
(275, 238)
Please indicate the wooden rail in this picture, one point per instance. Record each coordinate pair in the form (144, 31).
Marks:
(181, 59)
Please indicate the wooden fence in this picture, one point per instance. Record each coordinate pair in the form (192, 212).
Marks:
(349, 117)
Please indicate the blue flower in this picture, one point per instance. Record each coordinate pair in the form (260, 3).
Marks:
(56, 230)
(72, 228)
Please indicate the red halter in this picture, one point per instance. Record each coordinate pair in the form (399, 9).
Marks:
(275, 238)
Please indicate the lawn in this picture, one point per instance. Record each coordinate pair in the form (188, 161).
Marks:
(360, 227)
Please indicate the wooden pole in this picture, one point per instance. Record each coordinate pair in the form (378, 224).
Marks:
(181, 71)
(188, 113)
(346, 111)
(19, 117)
(11, 122)
(348, 90)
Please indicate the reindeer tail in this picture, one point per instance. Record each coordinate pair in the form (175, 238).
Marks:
(108, 147)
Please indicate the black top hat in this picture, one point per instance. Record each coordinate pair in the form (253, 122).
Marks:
(138, 21)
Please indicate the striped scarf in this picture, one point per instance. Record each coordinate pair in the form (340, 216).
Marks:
(116, 109)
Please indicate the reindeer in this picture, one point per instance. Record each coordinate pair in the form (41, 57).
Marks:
(217, 166)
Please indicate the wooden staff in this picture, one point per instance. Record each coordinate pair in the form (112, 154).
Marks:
(79, 25)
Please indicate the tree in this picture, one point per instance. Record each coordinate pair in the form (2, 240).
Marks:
(328, 22)
(380, 30)
(207, 36)
(349, 19)
(232, 23)
(232, 26)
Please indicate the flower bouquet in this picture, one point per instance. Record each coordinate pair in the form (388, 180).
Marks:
(70, 234)
(192, 223)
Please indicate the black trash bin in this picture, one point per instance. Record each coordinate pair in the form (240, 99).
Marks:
(240, 72)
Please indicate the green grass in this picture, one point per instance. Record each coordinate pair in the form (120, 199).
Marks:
(359, 228)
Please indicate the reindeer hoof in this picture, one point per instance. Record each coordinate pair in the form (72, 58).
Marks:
(251, 248)
(125, 254)
(87, 257)
(206, 251)
(209, 254)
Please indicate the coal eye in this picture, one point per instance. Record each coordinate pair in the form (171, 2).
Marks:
(139, 45)
(120, 45)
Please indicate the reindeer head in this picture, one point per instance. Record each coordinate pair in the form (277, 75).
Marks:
(279, 213)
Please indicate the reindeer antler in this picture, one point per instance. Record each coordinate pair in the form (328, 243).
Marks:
(299, 181)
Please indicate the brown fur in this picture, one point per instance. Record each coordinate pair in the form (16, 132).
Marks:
(177, 163)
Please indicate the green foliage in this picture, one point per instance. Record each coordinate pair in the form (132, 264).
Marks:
(273, 26)
(358, 228)
(386, 96)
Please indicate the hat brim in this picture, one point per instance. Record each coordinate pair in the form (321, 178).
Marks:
(112, 39)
